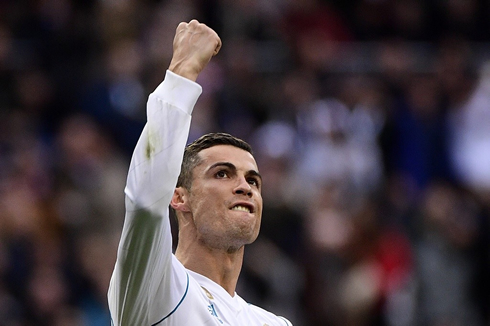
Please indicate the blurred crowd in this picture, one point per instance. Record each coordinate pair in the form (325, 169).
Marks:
(370, 121)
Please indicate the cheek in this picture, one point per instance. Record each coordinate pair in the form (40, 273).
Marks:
(203, 201)
(259, 201)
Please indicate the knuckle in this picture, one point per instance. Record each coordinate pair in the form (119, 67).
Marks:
(181, 25)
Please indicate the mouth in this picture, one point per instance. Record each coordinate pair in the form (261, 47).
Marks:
(242, 207)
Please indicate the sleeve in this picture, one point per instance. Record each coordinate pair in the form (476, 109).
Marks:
(145, 284)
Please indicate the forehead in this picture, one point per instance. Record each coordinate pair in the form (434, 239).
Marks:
(228, 153)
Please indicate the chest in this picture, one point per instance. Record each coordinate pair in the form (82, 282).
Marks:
(200, 307)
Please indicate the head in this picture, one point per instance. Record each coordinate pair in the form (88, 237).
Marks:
(218, 198)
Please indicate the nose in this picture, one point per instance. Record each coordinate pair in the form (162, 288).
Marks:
(243, 188)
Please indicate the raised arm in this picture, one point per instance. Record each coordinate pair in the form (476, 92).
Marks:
(152, 176)
(145, 285)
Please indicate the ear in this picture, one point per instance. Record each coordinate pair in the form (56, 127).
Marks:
(179, 200)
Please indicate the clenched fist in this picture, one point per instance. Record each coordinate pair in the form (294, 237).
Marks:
(194, 46)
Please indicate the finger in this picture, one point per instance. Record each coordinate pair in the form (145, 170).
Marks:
(194, 23)
(182, 26)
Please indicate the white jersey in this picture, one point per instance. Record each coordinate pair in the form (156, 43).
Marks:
(149, 286)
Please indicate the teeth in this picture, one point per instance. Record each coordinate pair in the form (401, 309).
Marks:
(241, 208)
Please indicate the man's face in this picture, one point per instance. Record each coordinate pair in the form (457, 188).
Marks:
(225, 197)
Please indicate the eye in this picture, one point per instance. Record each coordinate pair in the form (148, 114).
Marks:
(221, 174)
(254, 182)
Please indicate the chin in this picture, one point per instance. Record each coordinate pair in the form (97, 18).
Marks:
(243, 238)
(252, 237)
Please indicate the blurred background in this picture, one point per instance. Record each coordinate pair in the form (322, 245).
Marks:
(370, 121)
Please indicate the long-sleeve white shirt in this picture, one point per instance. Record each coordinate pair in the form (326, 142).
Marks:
(149, 286)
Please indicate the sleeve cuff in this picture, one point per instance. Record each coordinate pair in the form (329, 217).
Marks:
(179, 91)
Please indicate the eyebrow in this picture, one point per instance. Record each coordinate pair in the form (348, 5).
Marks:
(232, 166)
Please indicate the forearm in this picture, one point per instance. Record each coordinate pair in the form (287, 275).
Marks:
(156, 161)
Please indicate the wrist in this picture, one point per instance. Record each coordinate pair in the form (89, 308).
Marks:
(183, 70)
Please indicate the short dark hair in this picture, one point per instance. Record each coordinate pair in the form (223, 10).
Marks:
(191, 158)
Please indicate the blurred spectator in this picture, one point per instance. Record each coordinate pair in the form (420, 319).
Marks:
(116, 98)
(470, 137)
(91, 179)
(314, 30)
(418, 148)
(445, 257)
(360, 271)
(340, 139)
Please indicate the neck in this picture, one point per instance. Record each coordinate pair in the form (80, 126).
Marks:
(221, 266)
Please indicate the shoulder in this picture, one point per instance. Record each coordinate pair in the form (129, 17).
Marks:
(270, 318)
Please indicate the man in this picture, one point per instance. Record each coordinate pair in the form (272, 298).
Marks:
(217, 202)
